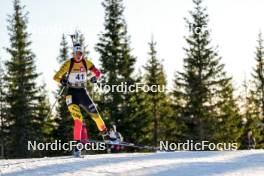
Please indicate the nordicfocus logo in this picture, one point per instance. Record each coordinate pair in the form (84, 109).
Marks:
(125, 87)
(58, 145)
(197, 146)
(199, 30)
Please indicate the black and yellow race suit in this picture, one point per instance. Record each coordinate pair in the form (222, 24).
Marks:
(77, 96)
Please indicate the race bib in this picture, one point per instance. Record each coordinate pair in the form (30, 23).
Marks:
(77, 78)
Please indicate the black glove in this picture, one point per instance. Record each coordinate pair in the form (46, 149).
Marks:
(63, 82)
(93, 79)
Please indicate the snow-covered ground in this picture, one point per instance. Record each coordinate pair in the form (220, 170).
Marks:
(182, 163)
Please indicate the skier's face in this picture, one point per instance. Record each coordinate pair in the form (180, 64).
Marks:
(78, 56)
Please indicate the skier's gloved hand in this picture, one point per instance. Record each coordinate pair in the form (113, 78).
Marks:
(63, 82)
(93, 79)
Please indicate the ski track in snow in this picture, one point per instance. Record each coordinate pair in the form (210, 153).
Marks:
(181, 163)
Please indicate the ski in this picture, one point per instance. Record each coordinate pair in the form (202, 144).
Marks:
(125, 144)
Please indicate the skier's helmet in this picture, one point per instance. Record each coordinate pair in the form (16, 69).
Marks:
(77, 47)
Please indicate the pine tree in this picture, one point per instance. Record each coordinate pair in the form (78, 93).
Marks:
(229, 121)
(22, 94)
(200, 84)
(248, 111)
(178, 130)
(159, 101)
(42, 127)
(126, 69)
(255, 99)
(141, 131)
(43, 111)
(2, 110)
(63, 119)
(117, 66)
(258, 76)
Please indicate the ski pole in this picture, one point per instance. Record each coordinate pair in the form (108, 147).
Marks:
(125, 144)
(57, 98)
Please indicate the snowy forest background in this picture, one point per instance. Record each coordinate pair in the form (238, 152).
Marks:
(201, 105)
